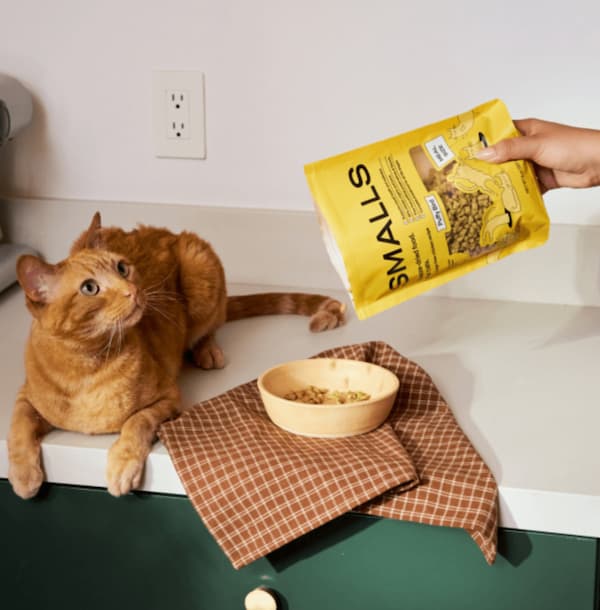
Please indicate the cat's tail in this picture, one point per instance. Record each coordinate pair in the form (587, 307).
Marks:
(325, 313)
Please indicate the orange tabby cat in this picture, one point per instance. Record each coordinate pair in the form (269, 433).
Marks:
(110, 325)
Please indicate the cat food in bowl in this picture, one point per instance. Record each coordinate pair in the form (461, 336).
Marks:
(328, 397)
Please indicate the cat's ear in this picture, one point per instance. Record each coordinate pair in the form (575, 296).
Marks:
(37, 278)
(91, 238)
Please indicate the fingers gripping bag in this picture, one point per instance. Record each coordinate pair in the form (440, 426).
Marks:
(412, 212)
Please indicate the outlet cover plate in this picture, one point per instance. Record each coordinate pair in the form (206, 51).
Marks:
(167, 86)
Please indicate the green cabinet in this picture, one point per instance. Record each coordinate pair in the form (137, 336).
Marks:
(80, 548)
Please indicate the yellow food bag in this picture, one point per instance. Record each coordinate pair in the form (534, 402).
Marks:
(415, 211)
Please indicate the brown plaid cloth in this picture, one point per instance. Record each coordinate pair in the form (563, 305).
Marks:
(456, 488)
(257, 487)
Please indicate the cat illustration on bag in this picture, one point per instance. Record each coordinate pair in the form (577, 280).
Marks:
(110, 326)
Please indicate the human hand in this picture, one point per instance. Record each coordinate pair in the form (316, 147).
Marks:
(562, 155)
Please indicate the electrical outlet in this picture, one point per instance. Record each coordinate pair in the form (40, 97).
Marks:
(178, 114)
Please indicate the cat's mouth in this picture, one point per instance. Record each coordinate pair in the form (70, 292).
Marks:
(133, 317)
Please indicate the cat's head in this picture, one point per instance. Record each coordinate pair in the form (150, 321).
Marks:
(91, 294)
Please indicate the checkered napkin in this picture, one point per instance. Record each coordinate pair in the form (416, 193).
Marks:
(257, 487)
(456, 488)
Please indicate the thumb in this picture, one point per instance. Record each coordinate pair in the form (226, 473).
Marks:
(522, 147)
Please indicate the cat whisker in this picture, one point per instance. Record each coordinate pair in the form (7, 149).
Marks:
(161, 282)
(119, 327)
(116, 336)
(110, 339)
(169, 318)
(105, 351)
(162, 295)
(160, 303)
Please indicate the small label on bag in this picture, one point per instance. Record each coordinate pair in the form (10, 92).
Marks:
(439, 151)
(438, 216)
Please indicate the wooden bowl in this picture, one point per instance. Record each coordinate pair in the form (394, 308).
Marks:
(334, 374)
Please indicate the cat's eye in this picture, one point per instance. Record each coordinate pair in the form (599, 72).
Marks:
(123, 268)
(89, 288)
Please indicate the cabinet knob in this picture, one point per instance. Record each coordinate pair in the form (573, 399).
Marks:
(261, 598)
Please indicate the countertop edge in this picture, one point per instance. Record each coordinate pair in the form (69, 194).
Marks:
(523, 509)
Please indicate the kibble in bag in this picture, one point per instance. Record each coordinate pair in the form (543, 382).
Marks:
(417, 210)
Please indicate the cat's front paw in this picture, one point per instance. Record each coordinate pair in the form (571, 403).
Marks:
(124, 469)
(208, 355)
(26, 478)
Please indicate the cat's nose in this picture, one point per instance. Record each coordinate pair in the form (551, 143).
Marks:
(134, 295)
(131, 293)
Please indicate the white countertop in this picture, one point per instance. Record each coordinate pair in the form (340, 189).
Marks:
(520, 378)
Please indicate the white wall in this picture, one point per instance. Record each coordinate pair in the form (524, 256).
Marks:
(286, 83)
